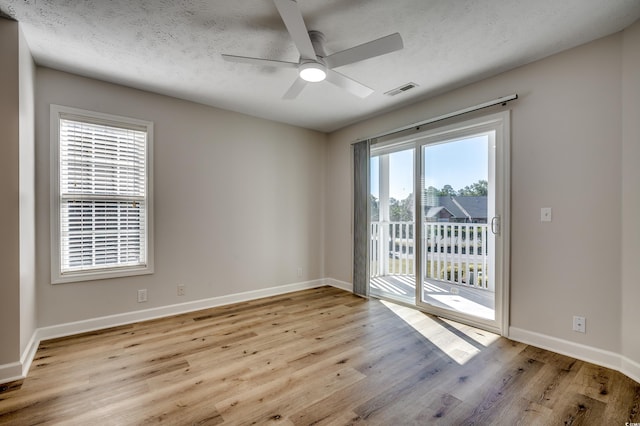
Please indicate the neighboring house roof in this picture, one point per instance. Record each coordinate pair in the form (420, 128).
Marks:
(475, 206)
(440, 211)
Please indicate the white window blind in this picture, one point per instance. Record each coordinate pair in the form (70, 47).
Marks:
(103, 203)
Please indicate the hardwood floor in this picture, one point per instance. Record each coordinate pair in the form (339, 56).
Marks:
(321, 356)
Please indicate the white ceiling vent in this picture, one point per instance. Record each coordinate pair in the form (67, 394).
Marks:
(401, 89)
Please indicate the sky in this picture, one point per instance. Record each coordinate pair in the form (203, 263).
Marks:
(458, 164)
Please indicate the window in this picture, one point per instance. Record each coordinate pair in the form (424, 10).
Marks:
(101, 203)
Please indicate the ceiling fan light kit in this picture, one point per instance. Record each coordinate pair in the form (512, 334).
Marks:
(314, 65)
(313, 72)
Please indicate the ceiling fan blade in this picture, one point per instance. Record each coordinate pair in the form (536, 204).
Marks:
(348, 84)
(295, 89)
(259, 61)
(374, 48)
(292, 17)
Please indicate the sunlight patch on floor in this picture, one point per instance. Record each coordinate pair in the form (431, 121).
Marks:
(484, 337)
(398, 286)
(461, 304)
(456, 347)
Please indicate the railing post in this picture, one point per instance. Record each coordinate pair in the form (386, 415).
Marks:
(458, 248)
(467, 270)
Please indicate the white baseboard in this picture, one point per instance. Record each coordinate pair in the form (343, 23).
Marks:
(579, 351)
(99, 323)
(11, 372)
(19, 370)
(343, 285)
(29, 353)
(631, 369)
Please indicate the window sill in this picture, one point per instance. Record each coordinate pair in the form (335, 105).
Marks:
(100, 274)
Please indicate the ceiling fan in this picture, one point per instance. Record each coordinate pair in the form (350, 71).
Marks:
(314, 64)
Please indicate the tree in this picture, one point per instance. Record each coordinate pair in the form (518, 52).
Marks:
(395, 211)
(407, 208)
(401, 210)
(447, 190)
(478, 189)
(375, 208)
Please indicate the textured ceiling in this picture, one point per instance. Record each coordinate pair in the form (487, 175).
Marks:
(173, 47)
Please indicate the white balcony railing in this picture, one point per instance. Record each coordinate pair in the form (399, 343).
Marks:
(453, 252)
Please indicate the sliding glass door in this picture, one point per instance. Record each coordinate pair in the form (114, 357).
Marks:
(458, 258)
(448, 256)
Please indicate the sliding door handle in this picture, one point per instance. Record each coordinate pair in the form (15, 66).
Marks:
(495, 225)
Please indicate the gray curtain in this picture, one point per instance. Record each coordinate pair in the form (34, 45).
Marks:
(361, 218)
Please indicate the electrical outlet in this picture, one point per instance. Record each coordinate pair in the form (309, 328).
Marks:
(579, 324)
(142, 295)
(545, 214)
(299, 272)
(181, 290)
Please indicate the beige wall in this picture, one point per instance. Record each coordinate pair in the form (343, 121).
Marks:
(9, 194)
(631, 193)
(27, 196)
(238, 202)
(566, 154)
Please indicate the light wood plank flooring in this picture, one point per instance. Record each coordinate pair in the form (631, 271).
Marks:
(321, 356)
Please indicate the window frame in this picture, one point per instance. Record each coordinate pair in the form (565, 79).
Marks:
(58, 112)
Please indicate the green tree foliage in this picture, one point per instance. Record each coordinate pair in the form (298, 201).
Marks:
(478, 189)
(375, 208)
(401, 210)
(447, 190)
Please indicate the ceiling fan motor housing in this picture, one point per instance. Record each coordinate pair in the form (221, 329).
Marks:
(317, 41)
(311, 70)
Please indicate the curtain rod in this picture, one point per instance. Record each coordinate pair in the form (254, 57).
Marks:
(503, 100)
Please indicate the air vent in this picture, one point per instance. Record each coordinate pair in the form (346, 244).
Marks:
(401, 89)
